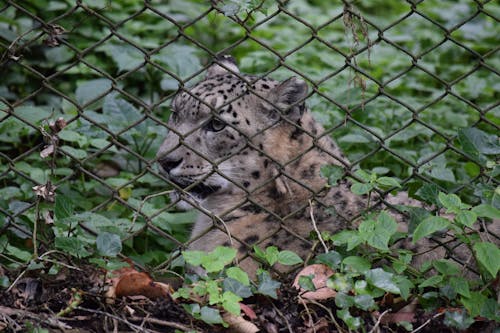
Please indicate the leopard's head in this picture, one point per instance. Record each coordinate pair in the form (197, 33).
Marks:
(228, 131)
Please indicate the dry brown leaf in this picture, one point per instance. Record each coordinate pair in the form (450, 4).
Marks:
(320, 273)
(129, 282)
(237, 324)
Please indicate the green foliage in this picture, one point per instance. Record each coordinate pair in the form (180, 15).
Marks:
(432, 128)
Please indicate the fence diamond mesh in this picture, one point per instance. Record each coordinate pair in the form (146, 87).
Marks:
(408, 91)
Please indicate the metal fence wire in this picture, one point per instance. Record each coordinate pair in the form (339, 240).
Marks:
(87, 85)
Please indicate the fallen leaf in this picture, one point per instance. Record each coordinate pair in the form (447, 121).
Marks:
(320, 274)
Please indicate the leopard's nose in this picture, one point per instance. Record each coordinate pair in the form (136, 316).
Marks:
(168, 163)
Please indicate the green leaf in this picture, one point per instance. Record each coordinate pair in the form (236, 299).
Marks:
(179, 59)
(488, 254)
(90, 90)
(485, 210)
(457, 319)
(306, 282)
(356, 264)
(473, 139)
(238, 274)
(377, 233)
(466, 218)
(32, 114)
(433, 281)
(231, 302)
(383, 280)
(404, 284)
(332, 259)
(72, 136)
(333, 173)
(237, 287)
(108, 244)
(342, 300)
(219, 258)
(475, 303)
(429, 193)
(451, 202)
(444, 174)
(267, 286)
(361, 188)
(72, 245)
(446, 267)
(193, 258)
(352, 322)
(78, 154)
(429, 226)
(364, 302)
(460, 285)
(210, 316)
(289, 258)
(125, 56)
(22, 255)
(388, 182)
(272, 254)
(63, 207)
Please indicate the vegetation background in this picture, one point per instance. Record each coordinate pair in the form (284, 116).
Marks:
(409, 89)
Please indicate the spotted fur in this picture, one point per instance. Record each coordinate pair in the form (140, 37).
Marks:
(247, 152)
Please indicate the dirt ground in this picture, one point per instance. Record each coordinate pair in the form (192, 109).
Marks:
(73, 301)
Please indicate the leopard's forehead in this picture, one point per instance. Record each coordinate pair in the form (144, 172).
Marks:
(220, 94)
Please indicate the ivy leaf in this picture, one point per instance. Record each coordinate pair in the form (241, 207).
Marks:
(72, 245)
(237, 287)
(289, 258)
(306, 282)
(231, 302)
(364, 302)
(218, 258)
(383, 280)
(457, 319)
(488, 254)
(377, 233)
(108, 244)
(332, 259)
(356, 264)
(238, 274)
(268, 286)
(193, 258)
(63, 207)
(429, 226)
(211, 316)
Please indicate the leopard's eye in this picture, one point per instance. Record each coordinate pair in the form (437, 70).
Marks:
(215, 125)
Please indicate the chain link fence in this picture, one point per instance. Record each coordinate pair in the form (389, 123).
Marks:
(87, 85)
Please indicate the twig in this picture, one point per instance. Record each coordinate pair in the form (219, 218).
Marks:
(162, 323)
(49, 320)
(311, 212)
(126, 322)
(332, 317)
(427, 322)
(378, 321)
(283, 316)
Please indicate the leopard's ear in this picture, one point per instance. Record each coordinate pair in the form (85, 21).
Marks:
(289, 96)
(221, 65)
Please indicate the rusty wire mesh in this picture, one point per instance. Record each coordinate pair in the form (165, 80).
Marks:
(53, 66)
